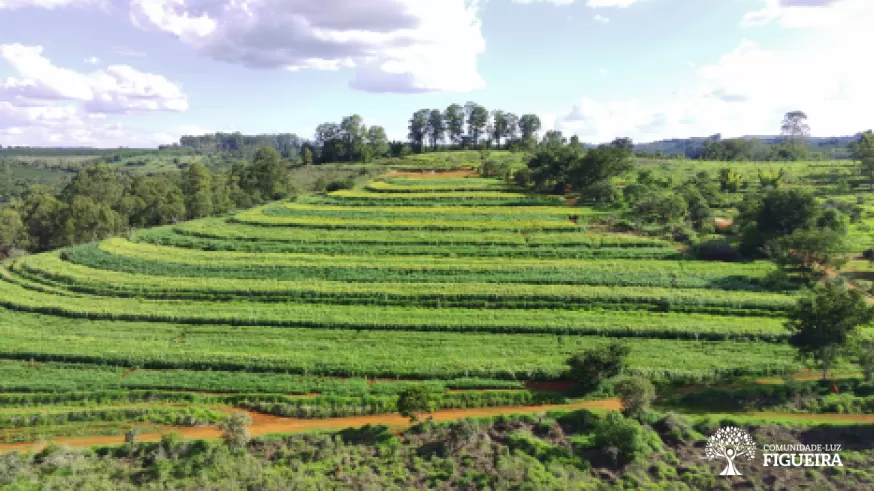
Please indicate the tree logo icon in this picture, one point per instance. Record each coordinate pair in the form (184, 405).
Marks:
(730, 443)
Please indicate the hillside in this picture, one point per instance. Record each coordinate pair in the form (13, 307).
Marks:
(331, 305)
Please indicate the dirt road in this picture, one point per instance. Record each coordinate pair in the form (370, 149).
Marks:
(263, 424)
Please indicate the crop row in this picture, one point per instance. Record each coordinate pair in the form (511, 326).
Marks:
(408, 318)
(220, 229)
(333, 407)
(127, 257)
(257, 217)
(431, 181)
(428, 199)
(184, 416)
(505, 212)
(71, 383)
(390, 187)
(151, 252)
(79, 278)
(36, 339)
(195, 240)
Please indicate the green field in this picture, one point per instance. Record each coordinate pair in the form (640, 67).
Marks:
(457, 282)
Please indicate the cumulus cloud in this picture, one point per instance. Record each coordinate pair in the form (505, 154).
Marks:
(70, 126)
(115, 89)
(47, 105)
(744, 92)
(601, 19)
(392, 45)
(92, 60)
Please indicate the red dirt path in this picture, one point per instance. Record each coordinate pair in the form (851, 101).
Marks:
(264, 424)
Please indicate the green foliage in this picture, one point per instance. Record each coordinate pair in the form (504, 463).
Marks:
(623, 440)
(636, 394)
(236, 433)
(777, 213)
(414, 401)
(824, 323)
(660, 207)
(590, 368)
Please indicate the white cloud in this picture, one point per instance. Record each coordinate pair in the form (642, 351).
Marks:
(69, 126)
(392, 45)
(600, 18)
(745, 92)
(117, 88)
(46, 105)
(795, 14)
(611, 3)
(603, 71)
(93, 60)
(45, 4)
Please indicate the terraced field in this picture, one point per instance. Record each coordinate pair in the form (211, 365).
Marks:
(459, 282)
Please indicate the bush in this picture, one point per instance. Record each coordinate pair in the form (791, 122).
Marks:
(674, 428)
(622, 439)
(636, 394)
(523, 177)
(338, 184)
(601, 192)
(236, 434)
(591, 367)
(716, 250)
(415, 400)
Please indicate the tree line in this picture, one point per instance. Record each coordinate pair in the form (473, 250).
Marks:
(102, 201)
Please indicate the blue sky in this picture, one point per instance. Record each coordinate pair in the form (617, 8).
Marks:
(144, 72)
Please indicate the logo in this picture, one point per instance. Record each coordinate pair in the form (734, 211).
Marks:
(730, 443)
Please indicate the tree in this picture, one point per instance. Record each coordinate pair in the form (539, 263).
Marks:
(600, 164)
(795, 125)
(499, 125)
(12, 231)
(413, 401)
(590, 368)
(197, 187)
(221, 195)
(235, 428)
(419, 128)
(436, 128)
(329, 141)
(269, 174)
(454, 121)
(729, 180)
(636, 394)
(863, 151)
(553, 138)
(864, 351)
(511, 126)
(814, 253)
(777, 213)
(824, 323)
(377, 141)
(660, 206)
(529, 125)
(306, 156)
(352, 133)
(477, 119)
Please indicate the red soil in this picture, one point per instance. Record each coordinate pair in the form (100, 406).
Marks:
(723, 223)
(264, 424)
